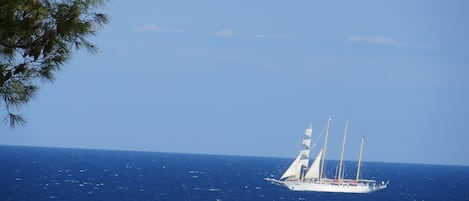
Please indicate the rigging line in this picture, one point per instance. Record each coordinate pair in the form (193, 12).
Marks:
(278, 170)
(318, 138)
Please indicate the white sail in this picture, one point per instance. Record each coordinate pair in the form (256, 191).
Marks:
(307, 143)
(293, 172)
(313, 172)
(309, 131)
(304, 158)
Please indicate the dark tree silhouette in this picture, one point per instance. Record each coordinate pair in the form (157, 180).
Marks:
(36, 38)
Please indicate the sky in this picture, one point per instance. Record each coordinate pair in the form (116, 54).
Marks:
(247, 77)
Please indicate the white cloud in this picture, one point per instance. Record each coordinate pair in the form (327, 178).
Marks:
(156, 28)
(225, 33)
(273, 36)
(380, 40)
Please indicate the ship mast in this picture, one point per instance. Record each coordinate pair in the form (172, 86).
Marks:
(360, 158)
(325, 148)
(304, 158)
(342, 153)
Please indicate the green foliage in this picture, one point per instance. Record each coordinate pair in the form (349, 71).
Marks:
(36, 38)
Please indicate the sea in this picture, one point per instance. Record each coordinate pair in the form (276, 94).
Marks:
(40, 174)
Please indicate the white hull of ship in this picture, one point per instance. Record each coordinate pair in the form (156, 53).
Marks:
(329, 186)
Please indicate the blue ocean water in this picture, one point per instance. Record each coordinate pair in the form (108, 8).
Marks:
(39, 174)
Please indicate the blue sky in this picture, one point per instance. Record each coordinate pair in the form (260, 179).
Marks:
(247, 77)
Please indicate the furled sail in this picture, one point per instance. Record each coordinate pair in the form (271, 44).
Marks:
(307, 143)
(313, 172)
(304, 160)
(309, 131)
(304, 153)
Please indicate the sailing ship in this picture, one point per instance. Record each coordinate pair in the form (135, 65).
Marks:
(301, 176)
